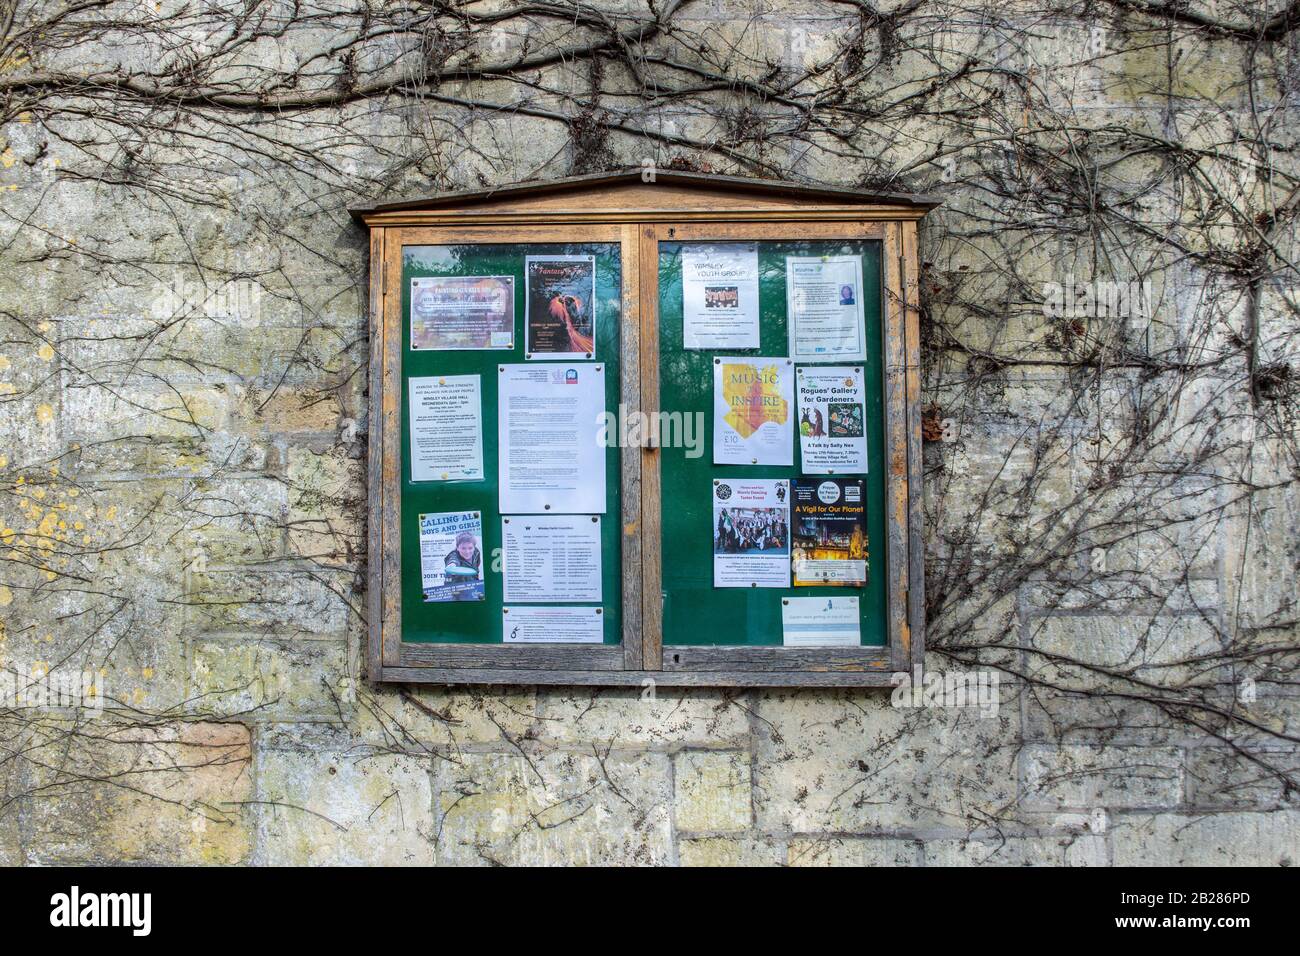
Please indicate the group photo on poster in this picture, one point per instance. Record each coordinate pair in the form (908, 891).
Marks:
(751, 533)
(451, 556)
(830, 533)
(560, 307)
(462, 312)
(832, 419)
(753, 411)
(824, 302)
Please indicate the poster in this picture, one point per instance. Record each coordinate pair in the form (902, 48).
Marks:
(824, 302)
(552, 625)
(830, 533)
(446, 428)
(753, 411)
(551, 558)
(751, 533)
(821, 622)
(560, 314)
(451, 556)
(832, 420)
(463, 312)
(548, 421)
(720, 296)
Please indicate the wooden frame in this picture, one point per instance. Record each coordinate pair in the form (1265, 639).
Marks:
(626, 209)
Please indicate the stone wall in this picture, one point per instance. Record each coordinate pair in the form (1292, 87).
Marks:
(1111, 509)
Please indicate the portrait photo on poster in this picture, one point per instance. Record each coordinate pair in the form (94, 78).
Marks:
(462, 312)
(560, 307)
(451, 556)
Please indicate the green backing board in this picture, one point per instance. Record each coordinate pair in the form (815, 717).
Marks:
(695, 612)
(479, 622)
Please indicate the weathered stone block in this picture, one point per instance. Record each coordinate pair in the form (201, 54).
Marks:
(336, 809)
(844, 851)
(712, 790)
(669, 716)
(1210, 839)
(726, 851)
(169, 794)
(553, 808)
(850, 762)
(1083, 777)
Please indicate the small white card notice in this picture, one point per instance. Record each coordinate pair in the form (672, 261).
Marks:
(446, 428)
(824, 301)
(821, 622)
(552, 625)
(720, 296)
(551, 558)
(548, 425)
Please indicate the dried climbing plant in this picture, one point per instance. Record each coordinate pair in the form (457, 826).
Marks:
(1111, 494)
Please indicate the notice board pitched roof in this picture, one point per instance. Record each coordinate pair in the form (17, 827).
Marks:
(629, 193)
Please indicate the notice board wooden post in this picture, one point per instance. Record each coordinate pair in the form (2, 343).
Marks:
(645, 221)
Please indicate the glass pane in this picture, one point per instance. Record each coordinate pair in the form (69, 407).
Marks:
(475, 347)
(695, 611)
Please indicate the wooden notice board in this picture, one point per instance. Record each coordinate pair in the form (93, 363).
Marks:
(662, 620)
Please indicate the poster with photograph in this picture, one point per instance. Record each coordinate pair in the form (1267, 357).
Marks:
(821, 622)
(720, 295)
(446, 428)
(830, 533)
(548, 432)
(753, 411)
(451, 556)
(824, 303)
(560, 307)
(551, 558)
(751, 533)
(462, 312)
(832, 420)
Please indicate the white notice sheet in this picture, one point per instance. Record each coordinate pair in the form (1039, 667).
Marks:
(548, 419)
(552, 625)
(720, 295)
(446, 428)
(551, 558)
(824, 302)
